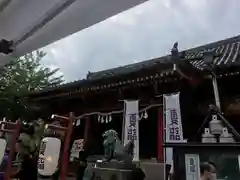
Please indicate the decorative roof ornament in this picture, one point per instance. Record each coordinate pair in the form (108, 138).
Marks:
(174, 51)
(102, 120)
(109, 118)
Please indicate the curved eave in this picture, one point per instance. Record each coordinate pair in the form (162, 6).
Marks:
(160, 78)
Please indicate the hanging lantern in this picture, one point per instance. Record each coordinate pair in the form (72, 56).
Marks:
(102, 119)
(106, 120)
(49, 156)
(78, 122)
(145, 115)
(109, 118)
(52, 116)
(215, 126)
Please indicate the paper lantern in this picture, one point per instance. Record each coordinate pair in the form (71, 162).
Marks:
(3, 145)
(49, 156)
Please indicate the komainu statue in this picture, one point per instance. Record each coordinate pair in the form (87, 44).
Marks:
(114, 149)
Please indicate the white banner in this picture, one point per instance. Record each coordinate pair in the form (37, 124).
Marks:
(173, 123)
(131, 126)
(192, 166)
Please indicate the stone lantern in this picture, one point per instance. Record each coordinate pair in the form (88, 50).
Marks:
(207, 137)
(226, 137)
(215, 126)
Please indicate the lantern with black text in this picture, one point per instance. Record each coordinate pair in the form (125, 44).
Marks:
(54, 148)
(49, 156)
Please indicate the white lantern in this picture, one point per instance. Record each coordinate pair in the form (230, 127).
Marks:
(215, 126)
(110, 118)
(145, 115)
(49, 156)
(3, 145)
(78, 122)
(102, 120)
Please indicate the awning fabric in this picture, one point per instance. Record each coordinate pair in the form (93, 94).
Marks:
(32, 24)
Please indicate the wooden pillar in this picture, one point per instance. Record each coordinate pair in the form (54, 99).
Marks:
(160, 137)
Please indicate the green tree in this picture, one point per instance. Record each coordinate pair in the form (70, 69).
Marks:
(20, 77)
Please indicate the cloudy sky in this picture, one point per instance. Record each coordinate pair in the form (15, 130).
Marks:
(144, 32)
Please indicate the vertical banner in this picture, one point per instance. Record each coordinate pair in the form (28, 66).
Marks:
(192, 166)
(131, 126)
(173, 123)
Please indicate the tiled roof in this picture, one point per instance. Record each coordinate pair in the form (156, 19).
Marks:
(226, 51)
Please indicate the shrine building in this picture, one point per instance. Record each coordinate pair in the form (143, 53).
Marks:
(147, 81)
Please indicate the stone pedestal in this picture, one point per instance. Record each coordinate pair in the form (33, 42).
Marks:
(112, 171)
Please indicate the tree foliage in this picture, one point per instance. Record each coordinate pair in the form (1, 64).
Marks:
(20, 77)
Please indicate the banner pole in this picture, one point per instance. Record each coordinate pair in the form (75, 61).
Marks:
(124, 121)
(164, 135)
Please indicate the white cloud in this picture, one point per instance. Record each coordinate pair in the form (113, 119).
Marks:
(144, 32)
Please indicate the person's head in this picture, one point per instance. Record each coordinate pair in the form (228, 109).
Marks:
(208, 171)
(7, 150)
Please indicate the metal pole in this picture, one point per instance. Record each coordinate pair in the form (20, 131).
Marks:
(216, 91)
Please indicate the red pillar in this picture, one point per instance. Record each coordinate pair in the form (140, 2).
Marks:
(65, 159)
(15, 132)
(160, 140)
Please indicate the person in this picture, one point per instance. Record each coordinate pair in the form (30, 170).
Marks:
(28, 170)
(81, 166)
(27, 150)
(208, 171)
(3, 165)
(136, 174)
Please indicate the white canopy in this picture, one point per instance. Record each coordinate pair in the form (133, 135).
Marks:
(32, 24)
